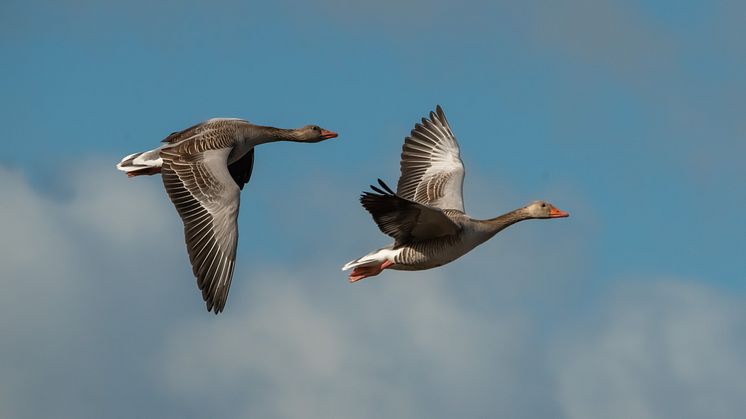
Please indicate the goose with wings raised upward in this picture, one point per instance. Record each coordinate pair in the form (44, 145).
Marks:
(425, 216)
(204, 168)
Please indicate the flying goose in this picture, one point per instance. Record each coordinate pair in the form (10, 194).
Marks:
(204, 168)
(425, 216)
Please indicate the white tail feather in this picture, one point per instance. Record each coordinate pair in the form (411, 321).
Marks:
(373, 258)
(137, 161)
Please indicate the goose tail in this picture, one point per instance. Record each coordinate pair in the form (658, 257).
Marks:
(143, 163)
(375, 257)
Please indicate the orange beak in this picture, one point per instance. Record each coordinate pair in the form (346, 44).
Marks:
(557, 213)
(326, 134)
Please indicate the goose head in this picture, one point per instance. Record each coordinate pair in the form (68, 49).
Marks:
(543, 209)
(313, 134)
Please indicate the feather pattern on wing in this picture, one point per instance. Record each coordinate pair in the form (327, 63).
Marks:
(206, 197)
(432, 172)
(205, 131)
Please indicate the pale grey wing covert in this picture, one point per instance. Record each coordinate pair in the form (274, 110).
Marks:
(207, 199)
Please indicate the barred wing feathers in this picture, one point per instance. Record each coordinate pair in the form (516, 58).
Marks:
(207, 198)
(432, 172)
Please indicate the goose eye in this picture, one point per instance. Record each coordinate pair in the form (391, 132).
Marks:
(543, 205)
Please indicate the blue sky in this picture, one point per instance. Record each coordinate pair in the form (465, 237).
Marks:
(629, 115)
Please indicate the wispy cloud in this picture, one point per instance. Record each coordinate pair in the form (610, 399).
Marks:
(316, 350)
(660, 348)
(97, 316)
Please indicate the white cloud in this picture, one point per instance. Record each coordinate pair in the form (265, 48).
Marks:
(346, 351)
(660, 349)
(69, 268)
(99, 321)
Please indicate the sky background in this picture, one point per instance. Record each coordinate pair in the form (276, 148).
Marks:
(627, 114)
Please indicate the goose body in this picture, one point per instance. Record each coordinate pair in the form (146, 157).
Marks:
(425, 216)
(204, 168)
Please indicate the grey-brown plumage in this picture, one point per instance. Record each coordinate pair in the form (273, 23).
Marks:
(204, 168)
(404, 220)
(425, 216)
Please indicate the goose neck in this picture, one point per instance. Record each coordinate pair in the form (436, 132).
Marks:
(499, 223)
(257, 134)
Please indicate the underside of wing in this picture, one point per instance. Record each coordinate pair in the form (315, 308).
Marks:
(207, 199)
(405, 220)
(432, 172)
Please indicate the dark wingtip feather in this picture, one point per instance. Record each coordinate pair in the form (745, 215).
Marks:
(383, 190)
(417, 128)
(441, 115)
(386, 187)
(377, 190)
(214, 306)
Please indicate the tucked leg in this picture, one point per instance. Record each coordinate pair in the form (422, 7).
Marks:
(363, 272)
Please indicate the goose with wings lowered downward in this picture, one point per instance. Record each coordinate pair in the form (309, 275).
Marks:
(204, 168)
(425, 216)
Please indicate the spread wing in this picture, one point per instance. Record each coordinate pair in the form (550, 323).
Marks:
(404, 220)
(206, 197)
(432, 172)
